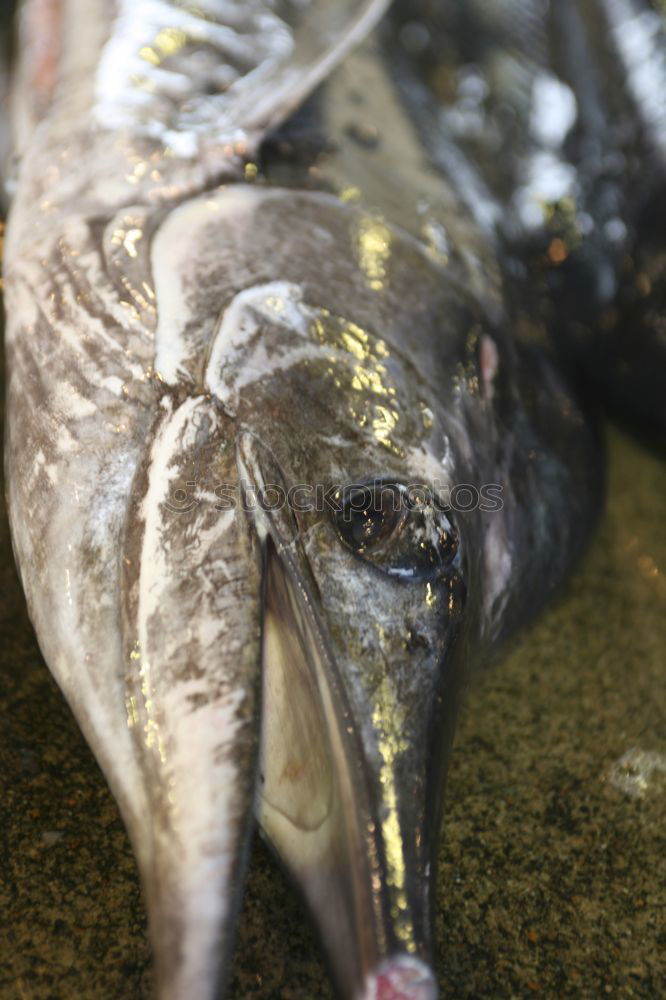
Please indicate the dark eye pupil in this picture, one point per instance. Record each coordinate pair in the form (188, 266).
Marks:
(408, 537)
(370, 516)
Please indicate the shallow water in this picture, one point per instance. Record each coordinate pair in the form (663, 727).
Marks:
(552, 861)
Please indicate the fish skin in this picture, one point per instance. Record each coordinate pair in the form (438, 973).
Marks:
(485, 79)
(160, 329)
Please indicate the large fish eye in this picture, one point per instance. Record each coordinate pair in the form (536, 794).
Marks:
(401, 530)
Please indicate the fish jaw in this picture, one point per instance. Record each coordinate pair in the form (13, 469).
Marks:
(351, 809)
(340, 819)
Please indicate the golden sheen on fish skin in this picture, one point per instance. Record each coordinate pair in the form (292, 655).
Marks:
(200, 322)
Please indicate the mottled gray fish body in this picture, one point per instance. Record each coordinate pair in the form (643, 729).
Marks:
(280, 468)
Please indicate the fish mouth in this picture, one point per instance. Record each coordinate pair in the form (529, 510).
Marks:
(336, 816)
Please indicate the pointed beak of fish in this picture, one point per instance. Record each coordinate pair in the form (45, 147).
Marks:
(341, 803)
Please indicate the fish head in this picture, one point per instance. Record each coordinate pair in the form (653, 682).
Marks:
(343, 385)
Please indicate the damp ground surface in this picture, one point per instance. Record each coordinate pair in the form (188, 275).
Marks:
(552, 875)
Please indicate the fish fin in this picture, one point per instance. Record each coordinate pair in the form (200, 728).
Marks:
(191, 595)
(223, 73)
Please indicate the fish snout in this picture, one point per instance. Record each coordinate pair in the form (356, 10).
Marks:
(344, 796)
